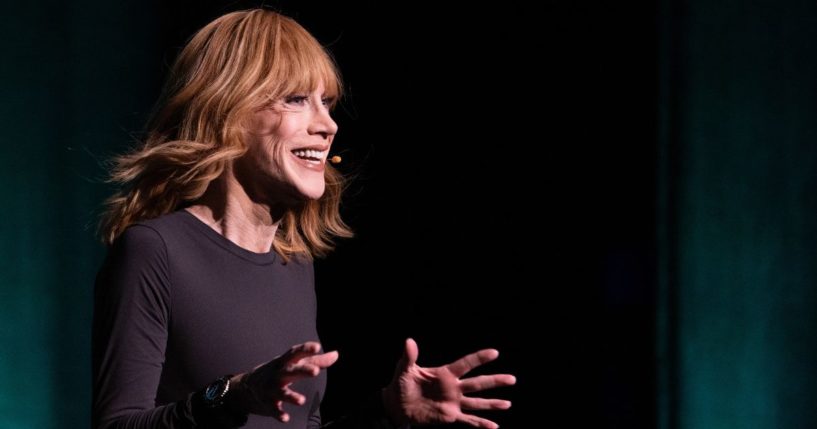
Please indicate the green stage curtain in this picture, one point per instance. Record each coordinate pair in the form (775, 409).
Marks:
(738, 214)
(76, 78)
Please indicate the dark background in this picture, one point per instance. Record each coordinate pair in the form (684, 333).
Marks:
(617, 196)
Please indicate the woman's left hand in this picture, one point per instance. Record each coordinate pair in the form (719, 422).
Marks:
(420, 395)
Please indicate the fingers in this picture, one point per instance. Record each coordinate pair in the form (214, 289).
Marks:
(485, 382)
(301, 351)
(324, 360)
(293, 397)
(267, 387)
(461, 366)
(290, 396)
(477, 422)
(307, 367)
(484, 404)
(409, 357)
(303, 361)
(295, 372)
(282, 415)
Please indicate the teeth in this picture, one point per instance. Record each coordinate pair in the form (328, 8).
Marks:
(313, 154)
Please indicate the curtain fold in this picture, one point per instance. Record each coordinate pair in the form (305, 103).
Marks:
(738, 184)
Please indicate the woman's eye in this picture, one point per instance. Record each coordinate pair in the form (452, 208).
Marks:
(295, 99)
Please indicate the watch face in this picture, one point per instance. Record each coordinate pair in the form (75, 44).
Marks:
(213, 391)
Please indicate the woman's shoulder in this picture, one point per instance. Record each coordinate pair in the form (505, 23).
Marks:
(153, 233)
(164, 223)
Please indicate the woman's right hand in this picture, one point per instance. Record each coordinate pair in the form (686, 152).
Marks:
(265, 389)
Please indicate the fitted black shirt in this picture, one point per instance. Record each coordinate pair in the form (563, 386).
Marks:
(177, 305)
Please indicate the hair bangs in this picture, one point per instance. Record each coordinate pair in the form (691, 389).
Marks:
(301, 65)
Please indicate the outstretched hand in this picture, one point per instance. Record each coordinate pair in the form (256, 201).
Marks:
(265, 389)
(420, 395)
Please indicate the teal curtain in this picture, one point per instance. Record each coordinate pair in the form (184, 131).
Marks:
(738, 214)
(75, 78)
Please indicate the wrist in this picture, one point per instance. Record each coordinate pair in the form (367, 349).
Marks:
(219, 408)
(234, 400)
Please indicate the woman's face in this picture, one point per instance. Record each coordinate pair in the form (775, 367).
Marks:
(288, 143)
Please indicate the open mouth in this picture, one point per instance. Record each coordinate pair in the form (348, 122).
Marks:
(310, 156)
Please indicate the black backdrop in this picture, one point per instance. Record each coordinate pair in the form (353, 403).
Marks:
(505, 199)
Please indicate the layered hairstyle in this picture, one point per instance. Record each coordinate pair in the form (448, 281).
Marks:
(232, 67)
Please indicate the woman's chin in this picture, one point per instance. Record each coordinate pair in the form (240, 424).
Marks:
(312, 193)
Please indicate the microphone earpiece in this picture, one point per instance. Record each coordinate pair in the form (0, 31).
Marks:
(335, 159)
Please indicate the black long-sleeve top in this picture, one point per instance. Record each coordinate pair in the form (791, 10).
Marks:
(177, 305)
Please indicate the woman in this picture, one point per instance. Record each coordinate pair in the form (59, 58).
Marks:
(209, 273)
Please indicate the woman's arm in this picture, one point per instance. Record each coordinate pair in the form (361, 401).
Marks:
(131, 314)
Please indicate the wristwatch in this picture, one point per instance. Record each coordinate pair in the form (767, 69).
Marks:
(209, 410)
(213, 395)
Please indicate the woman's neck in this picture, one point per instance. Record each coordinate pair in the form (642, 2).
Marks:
(228, 209)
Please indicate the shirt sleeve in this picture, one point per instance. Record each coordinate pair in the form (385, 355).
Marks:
(130, 329)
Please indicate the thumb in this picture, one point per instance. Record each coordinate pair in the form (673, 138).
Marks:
(410, 353)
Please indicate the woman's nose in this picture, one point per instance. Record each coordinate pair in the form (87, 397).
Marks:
(322, 123)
